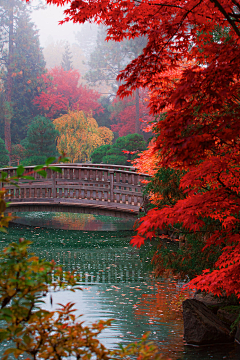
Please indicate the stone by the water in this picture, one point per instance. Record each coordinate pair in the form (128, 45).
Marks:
(201, 326)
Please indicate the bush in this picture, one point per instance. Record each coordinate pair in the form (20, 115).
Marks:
(132, 144)
(99, 153)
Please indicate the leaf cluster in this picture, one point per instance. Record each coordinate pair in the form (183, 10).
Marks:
(122, 152)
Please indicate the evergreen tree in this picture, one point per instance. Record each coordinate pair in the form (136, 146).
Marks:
(40, 142)
(29, 66)
(22, 63)
(87, 38)
(113, 154)
(67, 59)
(4, 157)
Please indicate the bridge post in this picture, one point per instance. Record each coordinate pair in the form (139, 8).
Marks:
(111, 185)
(54, 193)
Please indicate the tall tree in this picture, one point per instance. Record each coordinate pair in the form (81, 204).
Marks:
(29, 65)
(67, 63)
(106, 62)
(87, 38)
(20, 52)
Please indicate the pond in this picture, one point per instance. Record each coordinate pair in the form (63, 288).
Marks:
(117, 280)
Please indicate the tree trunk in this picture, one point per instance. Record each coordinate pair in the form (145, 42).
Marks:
(137, 122)
(8, 107)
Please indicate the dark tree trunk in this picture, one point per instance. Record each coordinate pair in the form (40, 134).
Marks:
(137, 122)
(8, 112)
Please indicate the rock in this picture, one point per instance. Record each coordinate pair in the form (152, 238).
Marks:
(237, 336)
(226, 316)
(201, 326)
(210, 300)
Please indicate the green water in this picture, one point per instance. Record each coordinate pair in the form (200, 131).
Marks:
(117, 283)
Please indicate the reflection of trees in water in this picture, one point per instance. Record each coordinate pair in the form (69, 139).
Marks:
(76, 221)
(164, 304)
(73, 221)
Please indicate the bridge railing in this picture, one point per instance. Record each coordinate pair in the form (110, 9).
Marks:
(96, 183)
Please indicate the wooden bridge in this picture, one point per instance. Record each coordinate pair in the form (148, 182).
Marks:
(87, 188)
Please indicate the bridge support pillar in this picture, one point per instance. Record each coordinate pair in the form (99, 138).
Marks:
(54, 193)
(111, 185)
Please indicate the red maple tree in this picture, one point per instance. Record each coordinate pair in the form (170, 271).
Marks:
(124, 113)
(199, 131)
(63, 92)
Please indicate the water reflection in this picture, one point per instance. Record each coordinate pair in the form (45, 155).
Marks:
(72, 221)
(117, 283)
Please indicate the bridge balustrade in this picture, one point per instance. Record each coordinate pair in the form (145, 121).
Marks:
(81, 183)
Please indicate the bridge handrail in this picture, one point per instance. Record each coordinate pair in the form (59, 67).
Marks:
(101, 184)
(116, 168)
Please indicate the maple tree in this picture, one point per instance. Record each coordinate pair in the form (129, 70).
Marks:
(80, 135)
(124, 113)
(63, 92)
(200, 130)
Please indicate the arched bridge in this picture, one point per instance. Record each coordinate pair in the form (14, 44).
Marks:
(90, 188)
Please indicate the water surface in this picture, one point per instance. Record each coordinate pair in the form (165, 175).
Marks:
(117, 282)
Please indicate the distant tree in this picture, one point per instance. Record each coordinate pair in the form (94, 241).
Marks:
(122, 152)
(40, 142)
(106, 62)
(87, 38)
(4, 157)
(63, 93)
(67, 59)
(108, 59)
(53, 53)
(80, 135)
(20, 63)
(29, 65)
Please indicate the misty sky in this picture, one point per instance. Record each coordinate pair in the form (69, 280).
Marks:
(47, 20)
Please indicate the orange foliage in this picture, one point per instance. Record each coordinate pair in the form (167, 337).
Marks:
(80, 135)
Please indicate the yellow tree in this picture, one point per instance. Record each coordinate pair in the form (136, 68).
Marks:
(80, 135)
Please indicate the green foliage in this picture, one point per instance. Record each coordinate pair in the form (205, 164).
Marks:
(104, 118)
(164, 187)
(34, 160)
(99, 153)
(132, 144)
(27, 67)
(4, 158)
(40, 142)
(187, 261)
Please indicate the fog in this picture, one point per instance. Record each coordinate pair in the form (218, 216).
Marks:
(47, 21)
